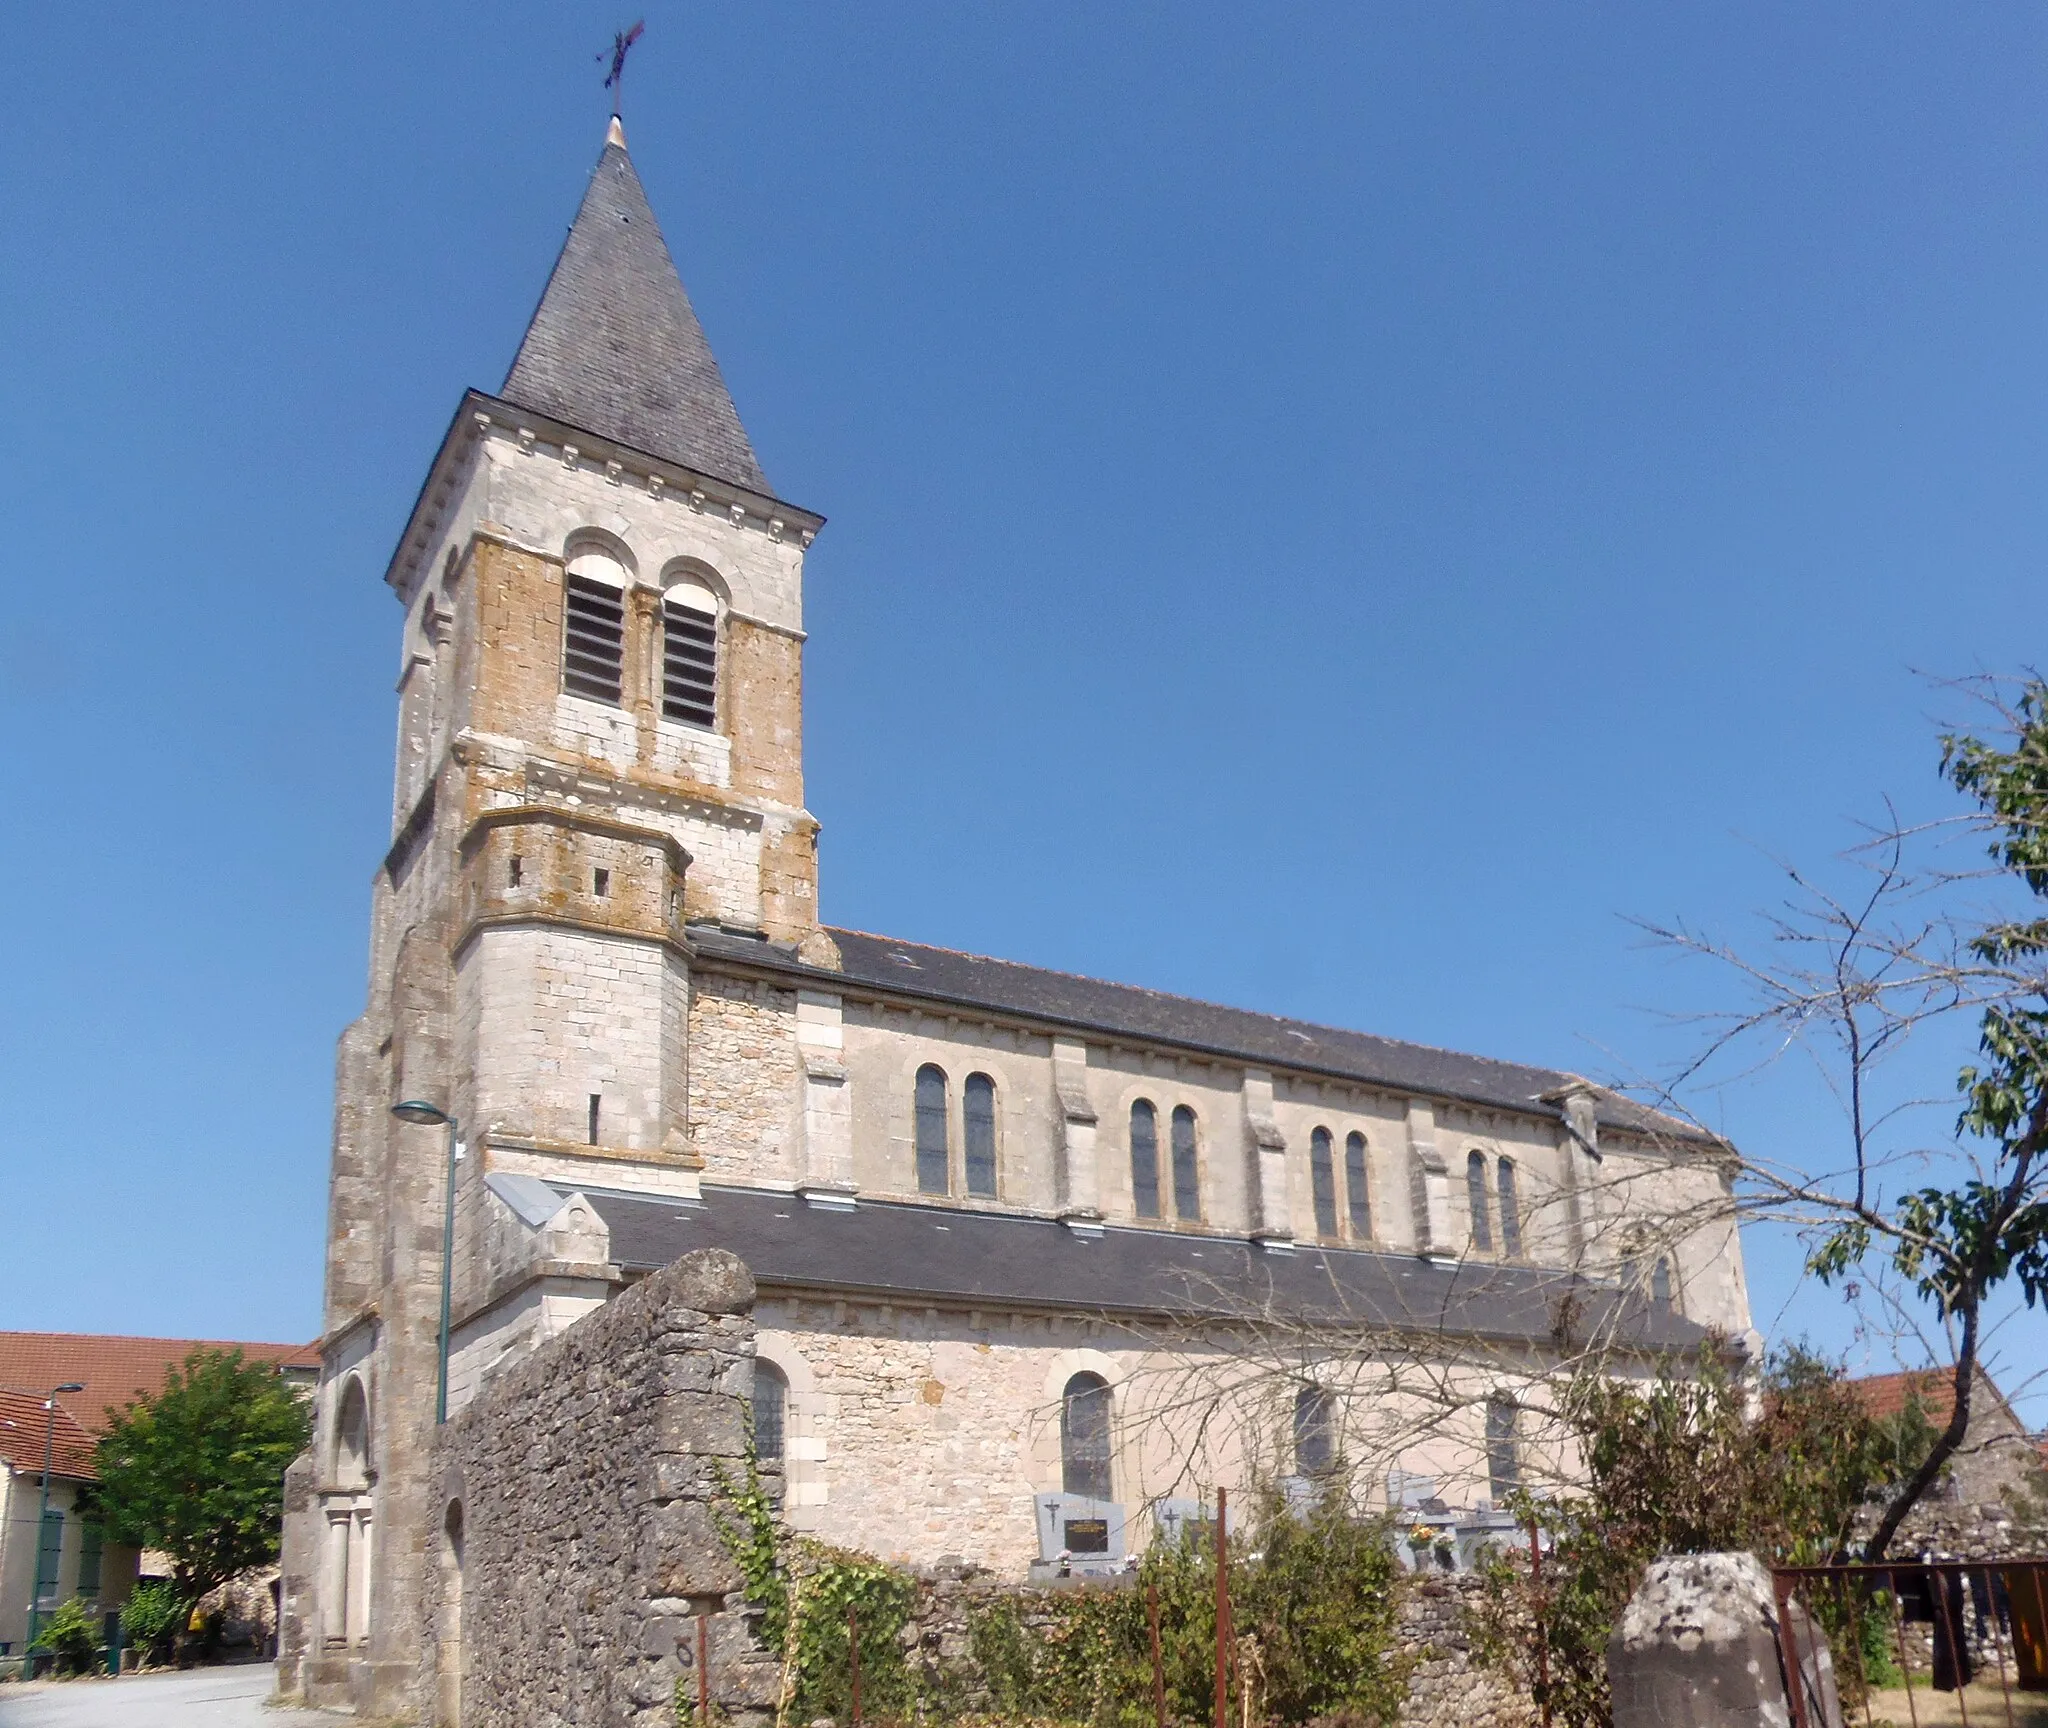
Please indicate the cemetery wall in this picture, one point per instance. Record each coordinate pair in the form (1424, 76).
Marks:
(574, 1522)
(1447, 1685)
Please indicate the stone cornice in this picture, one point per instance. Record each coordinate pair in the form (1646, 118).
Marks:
(479, 417)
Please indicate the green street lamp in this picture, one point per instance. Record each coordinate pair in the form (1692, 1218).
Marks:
(35, 1597)
(425, 1115)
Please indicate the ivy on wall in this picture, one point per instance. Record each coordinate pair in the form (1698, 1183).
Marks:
(1313, 1610)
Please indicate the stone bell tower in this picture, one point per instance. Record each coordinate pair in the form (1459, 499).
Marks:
(600, 747)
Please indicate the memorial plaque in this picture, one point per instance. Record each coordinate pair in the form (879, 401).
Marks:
(1087, 1535)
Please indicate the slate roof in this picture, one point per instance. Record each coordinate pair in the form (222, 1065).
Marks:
(615, 347)
(925, 1253)
(1092, 1005)
(116, 1369)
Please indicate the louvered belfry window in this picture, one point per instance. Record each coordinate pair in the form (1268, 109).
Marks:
(593, 647)
(689, 655)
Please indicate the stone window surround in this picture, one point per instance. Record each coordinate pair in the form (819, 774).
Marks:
(1163, 1106)
(1341, 1132)
(590, 544)
(956, 1133)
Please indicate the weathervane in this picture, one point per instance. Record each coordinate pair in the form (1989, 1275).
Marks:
(622, 45)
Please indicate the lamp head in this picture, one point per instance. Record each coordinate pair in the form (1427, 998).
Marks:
(419, 1111)
(70, 1386)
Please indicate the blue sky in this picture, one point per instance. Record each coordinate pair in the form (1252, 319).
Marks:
(1331, 509)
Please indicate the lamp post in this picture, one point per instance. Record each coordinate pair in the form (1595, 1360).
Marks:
(35, 1589)
(425, 1115)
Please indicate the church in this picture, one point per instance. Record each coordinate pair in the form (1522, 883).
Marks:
(1041, 1260)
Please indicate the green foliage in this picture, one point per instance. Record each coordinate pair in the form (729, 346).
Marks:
(753, 1539)
(197, 1470)
(72, 1636)
(1313, 1610)
(1313, 1604)
(1677, 1465)
(152, 1618)
(828, 1584)
(805, 1592)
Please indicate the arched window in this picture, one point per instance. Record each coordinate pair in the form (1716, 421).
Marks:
(1355, 1189)
(689, 654)
(1322, 1181)
(1475, 1195)
(1084, 1437)
(594, 627)
(1145, 1158)
(1510, 1209)
(1660, 1286)
(932, 1174)
(771, 1410)
(1187, 1186)
(1503, 1454)
(1315, 1432)
(979, 1117)
(352, 1437)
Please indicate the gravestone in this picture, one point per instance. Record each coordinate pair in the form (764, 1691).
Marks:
(1179, 1520)
(1699, 1647)
(1078, 1536)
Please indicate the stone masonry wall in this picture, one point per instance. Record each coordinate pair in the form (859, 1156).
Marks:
(745, 1079)
(574, 1525)
(1447, 1685)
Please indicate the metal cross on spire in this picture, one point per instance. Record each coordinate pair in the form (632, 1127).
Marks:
(622, 45)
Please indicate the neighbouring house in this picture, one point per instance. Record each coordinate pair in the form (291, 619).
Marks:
(1993, 1495)
(49, 1556)
(51, 1548)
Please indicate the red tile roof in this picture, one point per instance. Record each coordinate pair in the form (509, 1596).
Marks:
(115, 1370)
(1888, 1394)
(26, 1424)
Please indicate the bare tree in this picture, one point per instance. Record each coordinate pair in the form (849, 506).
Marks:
(1926, 936)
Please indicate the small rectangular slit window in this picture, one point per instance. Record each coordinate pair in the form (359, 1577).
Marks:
(600, 883)
(596, 1099)
(518, 871)
(593, 649)
(689, 664)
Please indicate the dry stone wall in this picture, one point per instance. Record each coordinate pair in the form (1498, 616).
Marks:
(582, 1484)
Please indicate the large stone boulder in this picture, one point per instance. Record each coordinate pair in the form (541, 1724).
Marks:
(1700, 1646)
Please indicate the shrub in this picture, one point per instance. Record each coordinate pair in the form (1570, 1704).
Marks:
(1312, 1608)
(1313, 1604)
(71, 1637)
(152, 1619)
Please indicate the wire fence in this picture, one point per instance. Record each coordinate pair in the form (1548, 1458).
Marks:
(1927, 1636)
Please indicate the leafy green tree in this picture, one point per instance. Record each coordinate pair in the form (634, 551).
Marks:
(197, 1470)
(1942, 1229)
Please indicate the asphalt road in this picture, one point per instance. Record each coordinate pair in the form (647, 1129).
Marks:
(198, 1698)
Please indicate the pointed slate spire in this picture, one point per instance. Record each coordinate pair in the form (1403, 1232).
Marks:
(615, 347)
